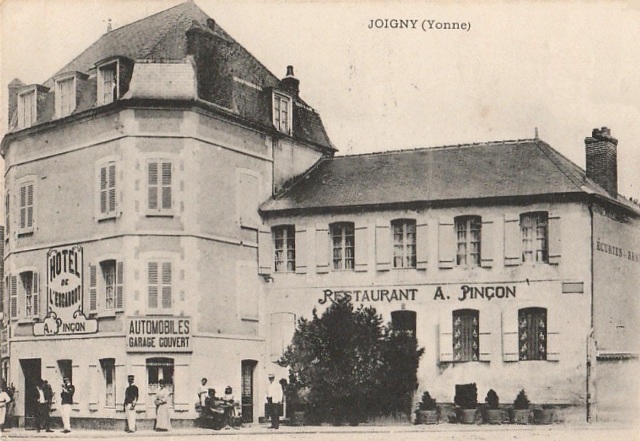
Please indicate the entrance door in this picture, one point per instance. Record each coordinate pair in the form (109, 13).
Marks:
(32, 371)
(248, 368)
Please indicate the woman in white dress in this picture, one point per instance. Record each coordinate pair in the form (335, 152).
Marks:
(5, 399)
(163, 422)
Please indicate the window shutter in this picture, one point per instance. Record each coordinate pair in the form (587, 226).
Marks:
(554, 317)
(103, 190)
(35, 294)
(13, 282)
(265, 252)
(119, 286)
(30, 205)
(112, 188)
(446, 243)
(510, 335)
(487, 243)
(152, 273)
(322, 248)
(362, 246)
(23, 206)
(512, 240)
(484, 340)
(301, 246)
(383, 245)
(555, 239)
(421, 246)
(166, 285)
(166, 186)
(445, 331)
(153, 185)
(93, 288)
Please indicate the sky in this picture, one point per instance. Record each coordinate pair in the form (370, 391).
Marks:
(561, 67)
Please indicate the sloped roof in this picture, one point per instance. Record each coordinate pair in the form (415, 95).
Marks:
(463, 172)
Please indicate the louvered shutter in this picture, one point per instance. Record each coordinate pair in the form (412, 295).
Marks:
(512, 240)
(35, 294)
(322, 248)
(484, 340)
(152, 273)
(383, 245)
(265, 252)
(23, 206)
(30, 205)
(153, 185)
(93, 288)
(361, 246)
(445, 334)
(112, 188)
(554, 318)
(166, 285)
(13, 286)
(301, 247)
(555, 239)
(422, 243)
(103, 190)
(119, 286)
(166, 186)
(487, 243)
(510, 335)
(446, 243)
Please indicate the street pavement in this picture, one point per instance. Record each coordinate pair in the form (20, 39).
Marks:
(440, 432)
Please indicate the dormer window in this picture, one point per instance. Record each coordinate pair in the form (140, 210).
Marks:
(108, 84)
(282, 112)
(27, 113)
(65, 96)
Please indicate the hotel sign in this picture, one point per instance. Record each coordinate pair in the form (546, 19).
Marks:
(159, 334)
(64, 295)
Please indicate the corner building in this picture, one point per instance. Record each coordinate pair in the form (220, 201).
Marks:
(133, 181)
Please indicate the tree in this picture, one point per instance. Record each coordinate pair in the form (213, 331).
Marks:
(350, 366)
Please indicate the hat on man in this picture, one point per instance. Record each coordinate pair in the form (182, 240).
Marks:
(130, 377)
(272, 376)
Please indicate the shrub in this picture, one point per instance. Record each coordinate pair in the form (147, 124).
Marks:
(427, 402)
(521, 402)
(492, 399)
(466, 396)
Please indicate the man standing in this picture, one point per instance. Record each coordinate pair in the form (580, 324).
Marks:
(130, 400)
(66, 398)
(274, 400)
(43, 398)
(203, 392)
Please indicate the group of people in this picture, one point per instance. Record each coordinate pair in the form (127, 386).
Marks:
(210, 404)
(43, 398)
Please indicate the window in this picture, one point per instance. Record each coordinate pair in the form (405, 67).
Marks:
(159, 174)
(404, 321)
(535, 244)
(65, 96)
(109, 374)
(404, 243)
(159, 276)
(108, 83)
(26, 207)
(7, 210)
(343, 245)
(65, 367)
(27, 109)
(106, 291)
(532, 334)
(468, 230)
(160, 369)
(108, 189)
(12, 289)
(109, 280)
(466, 335)
(284, 243)
(282, 113)
(29, 292)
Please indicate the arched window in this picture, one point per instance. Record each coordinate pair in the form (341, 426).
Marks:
(532, 334)
(468, 235)
(466, 335)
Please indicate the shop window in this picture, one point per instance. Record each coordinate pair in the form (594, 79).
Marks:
(27, 109)
(343, 245)
(65, 96)
(159, 275)
(160, 369)
(26, 207)
(108, 83)
(29, 293)
(535, 243)
(108, 366)
(468, 230)
(284, 245)
(282, 113)
(404, 320)
(466, 335)
(160, 190)
(532, 334)
(404, 243)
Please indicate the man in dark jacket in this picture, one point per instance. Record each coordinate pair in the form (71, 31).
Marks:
(66, 400)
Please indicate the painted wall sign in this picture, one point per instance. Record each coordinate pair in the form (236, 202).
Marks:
(606, 248)
(159, 334)
(64, 293)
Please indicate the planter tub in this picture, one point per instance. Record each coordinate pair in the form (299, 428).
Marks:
(520, 416)
(543, 416)
(467, 416)
(426, 417)
(493, 416)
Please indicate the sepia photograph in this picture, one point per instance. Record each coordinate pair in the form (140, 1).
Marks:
(320, 219)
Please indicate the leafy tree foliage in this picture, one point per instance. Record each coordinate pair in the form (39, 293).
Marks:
(347, 365)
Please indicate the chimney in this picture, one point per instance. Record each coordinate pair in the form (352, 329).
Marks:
(602, 159)
(14, 87)
(290, 83)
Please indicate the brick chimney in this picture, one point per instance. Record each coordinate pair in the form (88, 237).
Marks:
(290, 83)
(602, 159)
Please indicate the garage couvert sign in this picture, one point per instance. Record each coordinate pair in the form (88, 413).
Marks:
(64, 295)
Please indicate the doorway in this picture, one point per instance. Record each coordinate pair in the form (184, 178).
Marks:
(32, 372)
(248, 369)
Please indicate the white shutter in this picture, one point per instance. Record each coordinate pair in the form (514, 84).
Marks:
(167, 198)
(153, 185)
(510, 335)
(421, 246)
(301, 247)
(103, 190)
(13, 286)
(487, 243)
(265, 252)
(93, 289)
(554, 317)
(35, 294)
(445, 334)
(383, 245)
(166, 285)
(30, 205)
(322, 248)
(446, 243)
(512, 240)
(361, 246)
(119, 286)
(152, 274)
(555, 239)
(484, 340)
(112, 188)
